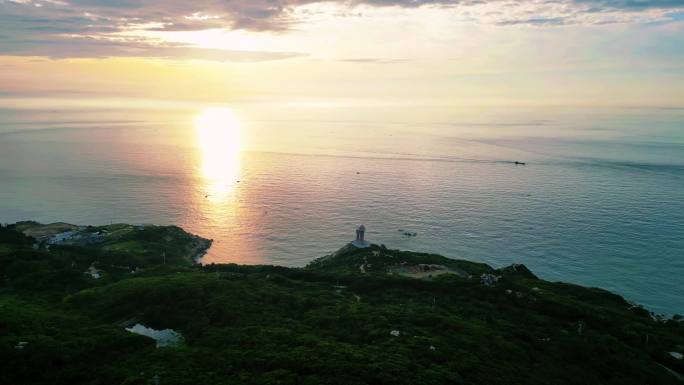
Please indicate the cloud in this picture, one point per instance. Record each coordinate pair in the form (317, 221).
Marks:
(367, 60)
(91, 28)
(632, 4)
(88, 47)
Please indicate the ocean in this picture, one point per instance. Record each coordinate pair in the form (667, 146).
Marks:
(599, 201)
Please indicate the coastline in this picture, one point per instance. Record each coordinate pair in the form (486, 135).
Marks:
(195, 247)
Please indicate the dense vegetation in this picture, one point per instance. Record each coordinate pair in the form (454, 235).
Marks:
(332, 322)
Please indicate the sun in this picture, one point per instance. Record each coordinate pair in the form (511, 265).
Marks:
(219, 135)
(219, 131)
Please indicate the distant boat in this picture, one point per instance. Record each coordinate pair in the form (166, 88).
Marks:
(520, 163)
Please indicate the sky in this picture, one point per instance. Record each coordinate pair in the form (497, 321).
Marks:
(354, 52)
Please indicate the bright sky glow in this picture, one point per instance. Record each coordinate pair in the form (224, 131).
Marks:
(537, 52)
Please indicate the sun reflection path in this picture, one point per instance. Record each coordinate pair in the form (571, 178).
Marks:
(219, 212)
(220, 143)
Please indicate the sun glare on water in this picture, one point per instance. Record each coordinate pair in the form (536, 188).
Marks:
(220, 142)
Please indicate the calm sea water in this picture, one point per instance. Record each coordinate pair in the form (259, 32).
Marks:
(600, 201)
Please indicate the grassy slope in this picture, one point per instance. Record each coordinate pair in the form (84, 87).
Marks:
(327, 323)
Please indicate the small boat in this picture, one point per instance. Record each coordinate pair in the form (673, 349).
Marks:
(520, 163)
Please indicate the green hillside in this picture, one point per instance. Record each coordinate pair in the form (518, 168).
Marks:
(359, 316)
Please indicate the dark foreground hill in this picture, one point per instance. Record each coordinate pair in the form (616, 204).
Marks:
(360, 316)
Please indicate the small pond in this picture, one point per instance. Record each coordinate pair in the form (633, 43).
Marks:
(166, 337)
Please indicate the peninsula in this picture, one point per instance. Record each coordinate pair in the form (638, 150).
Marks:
(125, 304)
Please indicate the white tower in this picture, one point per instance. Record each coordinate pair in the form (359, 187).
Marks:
(360, 234)
(360, 240)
